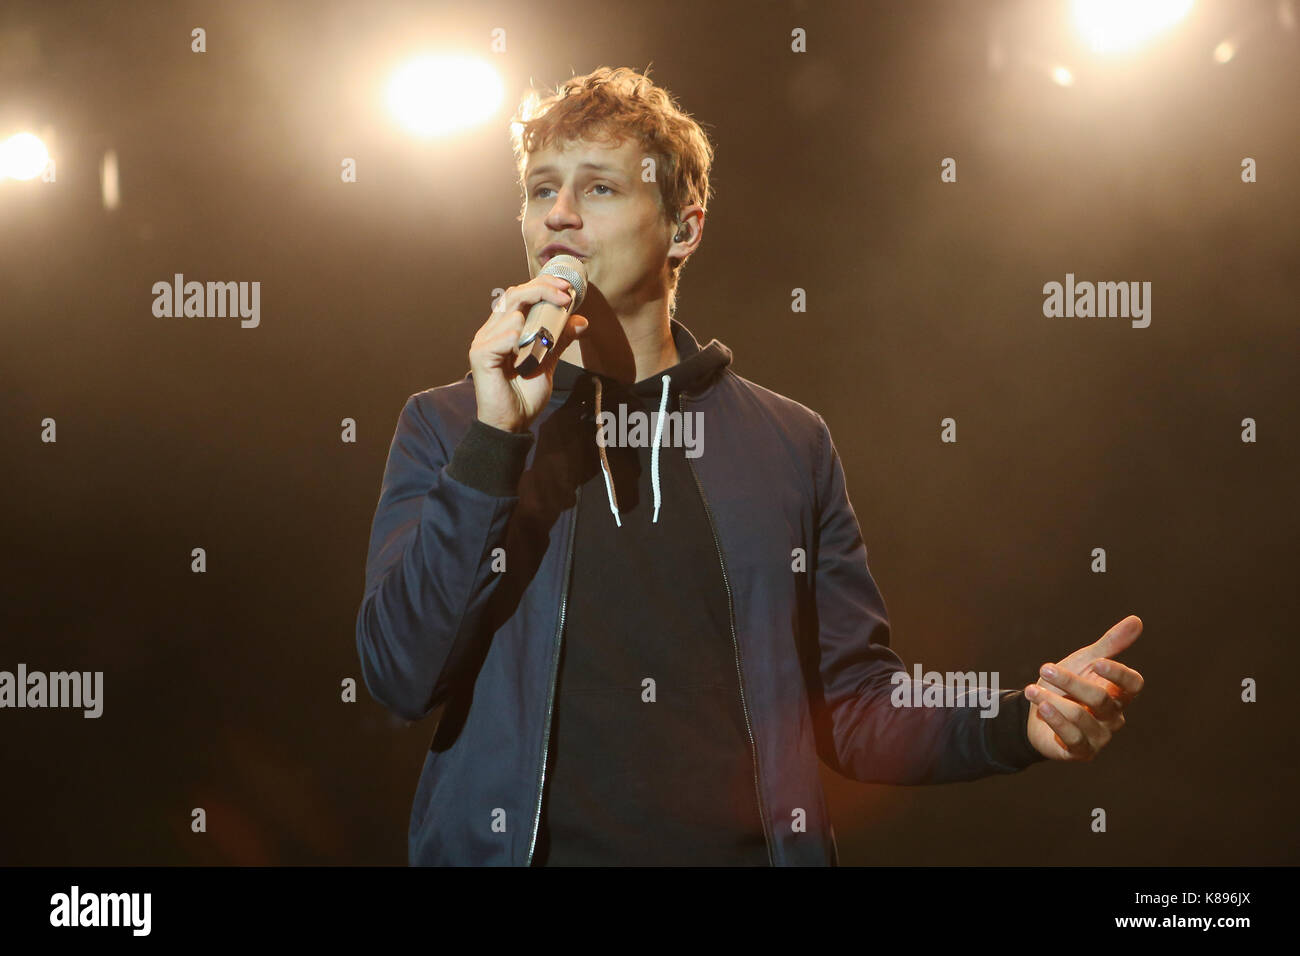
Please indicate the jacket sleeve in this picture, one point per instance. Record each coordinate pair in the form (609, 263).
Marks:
(863, 735)
(428, 569)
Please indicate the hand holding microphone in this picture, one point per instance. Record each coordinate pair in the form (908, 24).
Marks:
(513, 355)
(538, 338)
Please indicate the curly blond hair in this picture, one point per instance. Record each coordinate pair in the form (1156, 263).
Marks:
(609, 105)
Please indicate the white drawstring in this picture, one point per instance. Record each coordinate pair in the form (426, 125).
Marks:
(654, 449)
(654, 453)
(604, 461)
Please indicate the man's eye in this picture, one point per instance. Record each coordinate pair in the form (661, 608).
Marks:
(540, 189)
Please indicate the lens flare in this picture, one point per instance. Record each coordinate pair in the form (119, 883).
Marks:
(442, 93)
(22, 156)
(1120, 26)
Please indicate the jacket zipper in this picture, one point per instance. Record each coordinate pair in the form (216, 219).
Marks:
(555, 669)
(731, 617)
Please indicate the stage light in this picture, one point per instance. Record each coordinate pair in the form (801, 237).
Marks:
(1119, 26)
(438, 94)
(22, 156)
(1062, 77)
(109, 186)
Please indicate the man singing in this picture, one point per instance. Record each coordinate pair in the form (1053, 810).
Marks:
(639, 647)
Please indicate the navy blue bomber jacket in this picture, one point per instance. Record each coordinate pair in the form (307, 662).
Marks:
(469, 577)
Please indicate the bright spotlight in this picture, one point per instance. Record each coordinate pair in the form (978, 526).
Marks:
(1118, 26)
(22, 156)
(109, 187)
(1062, 77)
(439, 94)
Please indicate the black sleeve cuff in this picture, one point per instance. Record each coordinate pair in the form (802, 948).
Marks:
(1007, 734)
(490, 460)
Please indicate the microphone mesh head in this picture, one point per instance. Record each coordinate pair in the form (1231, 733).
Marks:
(572, 270)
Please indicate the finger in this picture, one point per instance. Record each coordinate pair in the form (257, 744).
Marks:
(1119, 638)
(1074, 687)
(560, 283)
(557, 293)
(503, 304)
(574, 326)
(502, 333)
(504, 343)
(1096, 733)
(1115, 708)
(552, 283)
(489, 340)
(1128, 681)
(1068, 737)
(1078, 730)
(527, 295)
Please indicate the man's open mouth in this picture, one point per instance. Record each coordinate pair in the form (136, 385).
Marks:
(559, 251)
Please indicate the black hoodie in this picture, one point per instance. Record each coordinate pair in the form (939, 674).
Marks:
(651, 762)
(650, 759)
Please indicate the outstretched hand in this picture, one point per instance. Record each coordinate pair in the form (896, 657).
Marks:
(1077, 704)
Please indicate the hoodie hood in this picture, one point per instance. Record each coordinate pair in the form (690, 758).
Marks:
(695, 371)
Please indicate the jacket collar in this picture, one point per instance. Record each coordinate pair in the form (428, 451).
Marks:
(695, 371)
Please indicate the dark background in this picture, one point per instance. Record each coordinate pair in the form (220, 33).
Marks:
(221, 690)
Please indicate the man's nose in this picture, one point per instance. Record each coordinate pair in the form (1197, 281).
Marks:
(565, 209)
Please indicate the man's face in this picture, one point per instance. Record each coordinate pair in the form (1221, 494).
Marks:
(590, 197)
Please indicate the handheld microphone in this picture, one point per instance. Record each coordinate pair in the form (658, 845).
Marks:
(537, 339)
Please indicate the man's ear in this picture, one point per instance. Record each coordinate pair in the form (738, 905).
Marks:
(682, 230)
(674, 262)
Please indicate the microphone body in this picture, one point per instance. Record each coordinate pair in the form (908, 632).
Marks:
(545, 320)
